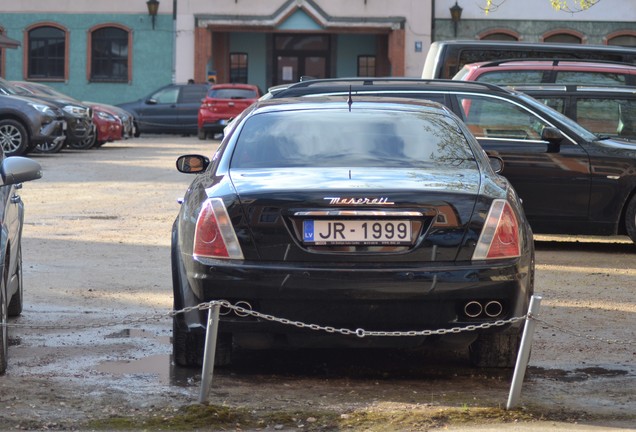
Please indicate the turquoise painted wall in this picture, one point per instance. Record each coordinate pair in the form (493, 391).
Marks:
(152, 55)
(349, 48)
(255, 45)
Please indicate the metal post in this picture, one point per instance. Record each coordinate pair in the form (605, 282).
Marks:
(209, 352)
(524, 352)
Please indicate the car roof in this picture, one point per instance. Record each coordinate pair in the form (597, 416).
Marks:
(338, 102)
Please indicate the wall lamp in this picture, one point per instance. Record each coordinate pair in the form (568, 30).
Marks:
(153, 8)
(456, 16)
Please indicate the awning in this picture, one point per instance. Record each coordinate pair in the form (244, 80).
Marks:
(7, 42)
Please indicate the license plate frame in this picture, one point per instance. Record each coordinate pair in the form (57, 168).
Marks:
(368, 232)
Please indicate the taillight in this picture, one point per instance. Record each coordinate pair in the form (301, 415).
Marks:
(214, 236)
(500, 236)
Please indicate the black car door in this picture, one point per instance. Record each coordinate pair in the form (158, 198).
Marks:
(552, 179)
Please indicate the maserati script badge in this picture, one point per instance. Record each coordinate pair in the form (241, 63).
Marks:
(359, 201)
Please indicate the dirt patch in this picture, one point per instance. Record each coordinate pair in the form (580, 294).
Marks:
(92, 348)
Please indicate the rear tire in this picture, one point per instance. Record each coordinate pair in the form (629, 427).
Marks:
(496, 350)
(188, 347)
(202, 135)
(630, 219)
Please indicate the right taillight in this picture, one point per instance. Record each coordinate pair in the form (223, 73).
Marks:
(500, 236)
(214, 236)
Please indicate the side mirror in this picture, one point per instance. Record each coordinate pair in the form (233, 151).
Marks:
(554, 137)
(496, 163)
(192, 164)
(151, 101)
(18, 169)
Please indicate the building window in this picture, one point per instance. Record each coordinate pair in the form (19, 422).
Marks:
(566, 36)
(109, 55)
(623, 40)
(238, 68)
(366, 66)
(499, 34)
(46, 53)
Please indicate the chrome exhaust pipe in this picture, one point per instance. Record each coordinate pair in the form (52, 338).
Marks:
(493, 309)
(242, 304)
(224, 309)
(473, 309)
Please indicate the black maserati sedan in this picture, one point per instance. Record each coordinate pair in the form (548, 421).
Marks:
(327, 223)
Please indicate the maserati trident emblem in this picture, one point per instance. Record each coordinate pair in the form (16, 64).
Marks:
(359, 201)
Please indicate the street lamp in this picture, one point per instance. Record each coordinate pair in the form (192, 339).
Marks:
(153, 8)
(456, 16)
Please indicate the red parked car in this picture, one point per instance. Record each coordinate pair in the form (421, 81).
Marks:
(108, 126)
(222, 103)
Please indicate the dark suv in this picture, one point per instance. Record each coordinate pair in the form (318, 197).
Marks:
(27, 122)
(78, 117)
(171, 109)
(571, 181)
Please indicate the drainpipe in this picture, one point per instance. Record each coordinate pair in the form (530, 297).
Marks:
(174, 41)
(432, 21)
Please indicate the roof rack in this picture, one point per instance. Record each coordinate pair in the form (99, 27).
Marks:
(573, 88)
(358, 82)
(554, 61)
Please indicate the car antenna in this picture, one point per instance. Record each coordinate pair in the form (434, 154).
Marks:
(349, 101)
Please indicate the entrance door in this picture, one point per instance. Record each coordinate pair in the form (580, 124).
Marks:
(300, 55)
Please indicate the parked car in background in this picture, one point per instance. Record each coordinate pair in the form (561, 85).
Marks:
(79, 117)
(521, 72)
(108, 126)
(222, 103)
(445, 58)
(606, 111)
(14, 171)
(571, 181)
(173, 108)
(378, 214)
(27, 122)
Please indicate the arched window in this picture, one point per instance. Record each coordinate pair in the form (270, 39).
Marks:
(564, 36)
(46, 53)
(109, 54)
(628, 40)
(499, 34)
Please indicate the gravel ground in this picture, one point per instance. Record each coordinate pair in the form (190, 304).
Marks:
(97, 271)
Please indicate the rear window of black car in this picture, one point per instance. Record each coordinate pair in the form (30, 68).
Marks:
(232, 94)
(339, 138)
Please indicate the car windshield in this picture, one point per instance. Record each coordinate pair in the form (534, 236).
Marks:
(362, 138)
(9, 89)
(577, 128)
(228, 93)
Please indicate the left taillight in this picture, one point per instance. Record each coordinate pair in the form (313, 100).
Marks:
(214, 236)
(500, 236)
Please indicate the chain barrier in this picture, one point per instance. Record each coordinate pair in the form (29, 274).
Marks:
(249, 312)
(328, 329)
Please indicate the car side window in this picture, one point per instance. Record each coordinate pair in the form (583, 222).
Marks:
(497, 118)
(511, 77)
(605, 116)
(556, 103)
(593, 78)
(166, 96)
(192, 93)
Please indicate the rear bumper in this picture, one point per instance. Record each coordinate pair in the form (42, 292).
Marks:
(374, 299)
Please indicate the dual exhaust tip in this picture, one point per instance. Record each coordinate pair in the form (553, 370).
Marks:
(475, 309)
(241, 304)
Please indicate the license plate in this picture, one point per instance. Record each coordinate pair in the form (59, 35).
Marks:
(352, 232)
